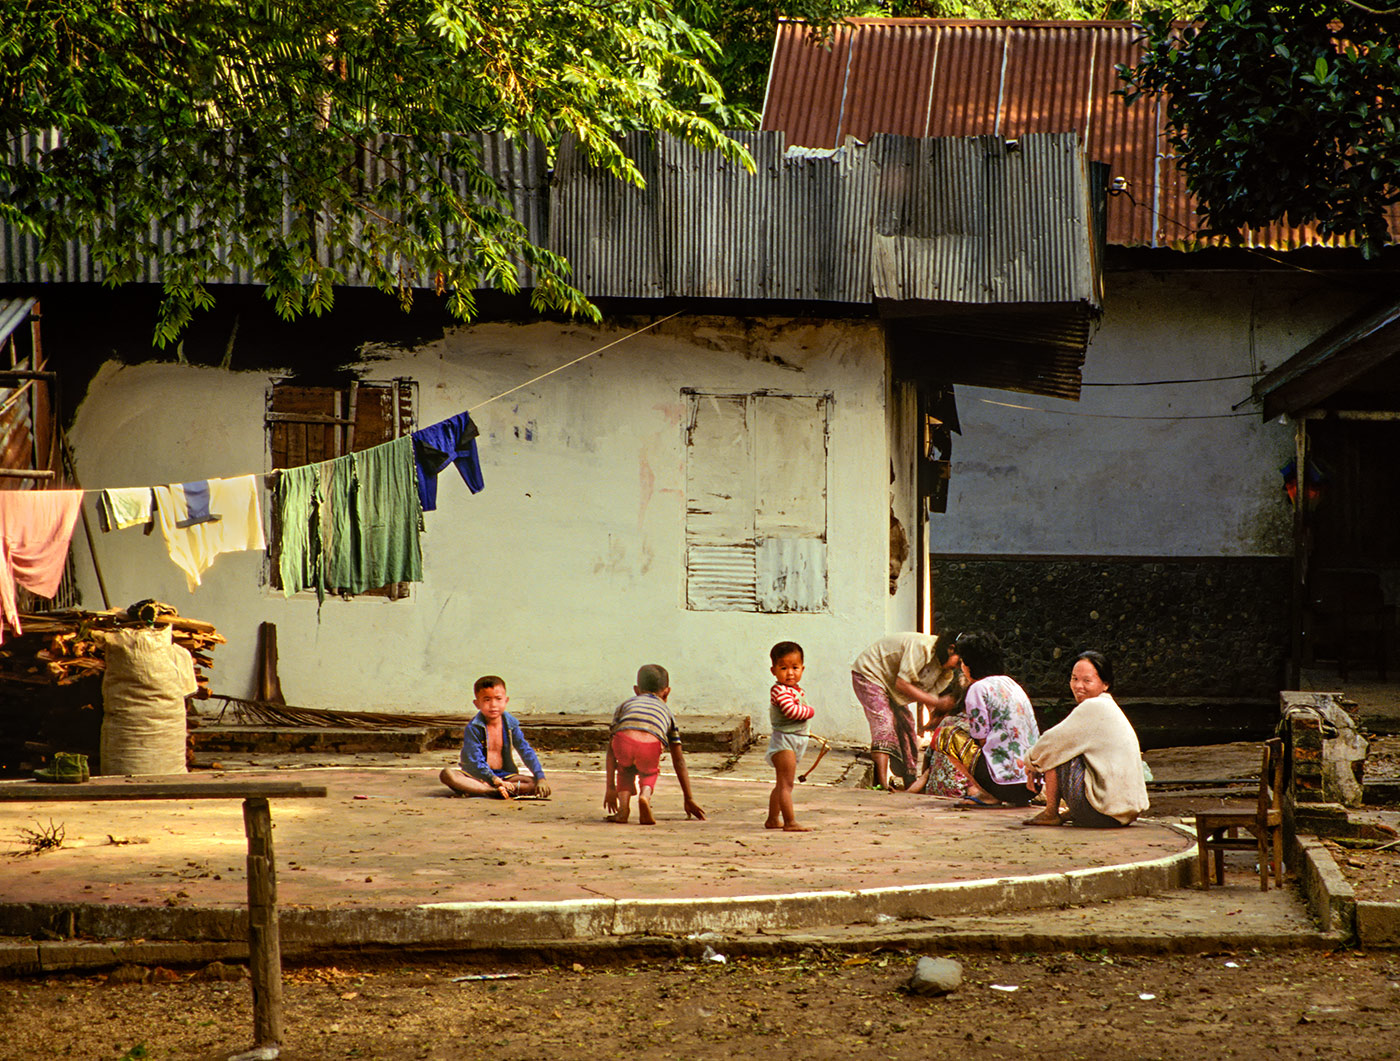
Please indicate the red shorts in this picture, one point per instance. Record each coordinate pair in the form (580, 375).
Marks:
(638, 757)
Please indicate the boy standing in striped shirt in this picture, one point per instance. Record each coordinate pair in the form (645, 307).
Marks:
(641, 727)
(789, 713)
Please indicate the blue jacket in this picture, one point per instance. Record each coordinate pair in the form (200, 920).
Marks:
(450, 441)
(473, 757)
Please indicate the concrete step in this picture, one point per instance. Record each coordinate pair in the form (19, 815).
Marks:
(699, 733)
(545, 732)
(318, 740)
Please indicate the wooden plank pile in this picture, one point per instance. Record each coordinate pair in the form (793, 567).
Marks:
(59, 648)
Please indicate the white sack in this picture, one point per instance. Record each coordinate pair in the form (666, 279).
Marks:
(143, 702)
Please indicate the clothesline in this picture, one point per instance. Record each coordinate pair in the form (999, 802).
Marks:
(576, 360)
(269, 477)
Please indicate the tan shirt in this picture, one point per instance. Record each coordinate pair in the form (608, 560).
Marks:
(908, 656)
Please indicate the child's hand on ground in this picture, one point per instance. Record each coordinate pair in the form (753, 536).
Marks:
(692, 810)
(610, 799)
(542, 788)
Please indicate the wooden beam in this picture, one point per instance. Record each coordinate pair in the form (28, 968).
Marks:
(25, 473)
(1318, 372)
(11, 375)
(1382, 415)
(94, 791)
(269, 683)
(307, 418)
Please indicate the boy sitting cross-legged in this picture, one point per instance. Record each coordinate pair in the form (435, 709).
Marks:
(487, 764)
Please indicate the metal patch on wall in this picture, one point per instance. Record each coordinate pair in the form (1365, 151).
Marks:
(756, 502)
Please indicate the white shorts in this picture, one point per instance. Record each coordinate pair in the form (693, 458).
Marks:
(779, 741)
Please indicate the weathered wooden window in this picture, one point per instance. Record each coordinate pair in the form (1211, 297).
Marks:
(755, 524)
(309, 424)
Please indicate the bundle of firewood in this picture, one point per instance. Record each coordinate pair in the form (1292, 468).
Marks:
(58, 648)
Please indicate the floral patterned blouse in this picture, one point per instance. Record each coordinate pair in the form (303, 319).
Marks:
(999, 715)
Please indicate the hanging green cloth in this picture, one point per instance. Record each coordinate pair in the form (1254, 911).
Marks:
(375, 519)
(351, 524)
(298, 511)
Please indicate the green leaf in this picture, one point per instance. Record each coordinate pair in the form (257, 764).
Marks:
(303, 144)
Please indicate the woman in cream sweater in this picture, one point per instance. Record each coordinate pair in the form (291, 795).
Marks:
(1092, 760)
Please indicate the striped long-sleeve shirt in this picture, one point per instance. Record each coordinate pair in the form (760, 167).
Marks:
(788, 710)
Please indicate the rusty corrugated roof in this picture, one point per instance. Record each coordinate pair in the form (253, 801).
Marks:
(951, 77)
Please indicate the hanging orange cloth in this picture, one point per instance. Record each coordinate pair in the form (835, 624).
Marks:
(35, 529)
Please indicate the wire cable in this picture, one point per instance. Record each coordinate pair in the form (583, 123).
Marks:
(1118, 416)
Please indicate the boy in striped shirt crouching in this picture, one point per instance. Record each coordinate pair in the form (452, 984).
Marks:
(641, 726)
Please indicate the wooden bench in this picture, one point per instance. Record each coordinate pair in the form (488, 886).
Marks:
(264, 939)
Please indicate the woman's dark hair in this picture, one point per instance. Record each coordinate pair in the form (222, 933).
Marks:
(1100, 663)
(943, 649)
(981, 651)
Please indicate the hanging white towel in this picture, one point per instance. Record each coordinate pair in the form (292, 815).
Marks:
(199, 525)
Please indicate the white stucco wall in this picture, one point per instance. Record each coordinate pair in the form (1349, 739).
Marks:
(1134, 470)
(566, 572)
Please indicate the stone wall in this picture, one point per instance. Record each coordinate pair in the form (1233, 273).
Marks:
(1210, 627)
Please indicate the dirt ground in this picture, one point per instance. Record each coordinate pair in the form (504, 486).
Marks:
(1373, 873)
(816, 1006)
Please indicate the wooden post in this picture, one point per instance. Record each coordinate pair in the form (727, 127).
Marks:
(1299, 579)
(269, 684)
(66, 455)
(264, 940)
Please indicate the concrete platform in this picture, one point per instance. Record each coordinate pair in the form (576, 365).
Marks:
(392, 858)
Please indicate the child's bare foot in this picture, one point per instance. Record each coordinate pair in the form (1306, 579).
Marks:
(644, 815)
(619, 818)
(773, 823)
(793, 827)
(1045, 817)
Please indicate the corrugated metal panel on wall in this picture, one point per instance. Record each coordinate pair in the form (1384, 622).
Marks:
(610, 228)
(967, 221)
(976, 220)
(949, 77)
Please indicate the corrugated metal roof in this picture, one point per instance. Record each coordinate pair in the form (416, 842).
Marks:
(521, 172)
(1033, 349)
(948, 77)
(17, 397)
(13, 312)
(971, 221)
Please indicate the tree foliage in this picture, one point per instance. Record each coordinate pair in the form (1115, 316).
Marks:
(1282, 109)
(302, 144)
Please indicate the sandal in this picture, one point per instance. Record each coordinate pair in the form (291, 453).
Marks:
(972, 803)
